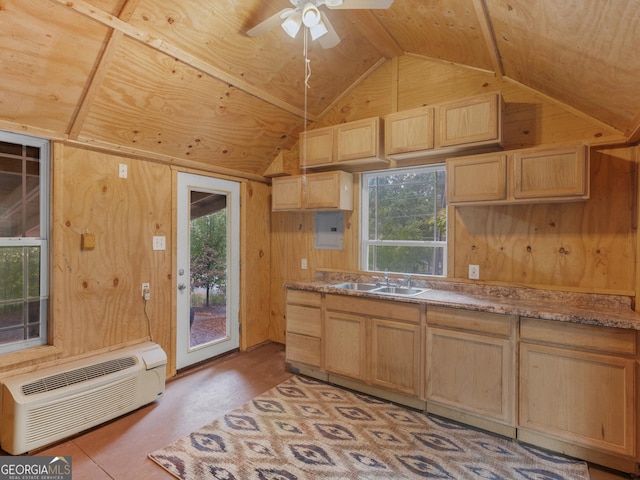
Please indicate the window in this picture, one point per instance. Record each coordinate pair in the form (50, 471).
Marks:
(24, 230)
(404, 221)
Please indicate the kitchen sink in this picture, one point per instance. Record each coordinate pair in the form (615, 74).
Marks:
(402, 291)
(361, 287)
(384, 290)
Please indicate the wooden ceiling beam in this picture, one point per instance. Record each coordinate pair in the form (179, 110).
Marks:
(100, 71)
(482, 12)
(634, 137)
(161, 45)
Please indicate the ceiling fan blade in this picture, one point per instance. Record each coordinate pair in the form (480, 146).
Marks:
(361, 4)
(331, 38)
(270, 23)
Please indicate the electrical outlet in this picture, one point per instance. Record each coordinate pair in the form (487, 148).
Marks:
(122, 170)
(474, 272)
(146, 291)
(303, 264)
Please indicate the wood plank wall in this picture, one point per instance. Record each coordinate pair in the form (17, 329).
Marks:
(95, 295)
(586, 246)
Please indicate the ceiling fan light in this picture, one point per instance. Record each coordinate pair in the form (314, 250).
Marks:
(292, 24)
(310, 15)
(319, 30)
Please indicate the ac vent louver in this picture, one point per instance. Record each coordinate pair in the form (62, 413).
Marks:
(60, 380)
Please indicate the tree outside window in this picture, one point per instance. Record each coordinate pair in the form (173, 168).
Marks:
(404, 225)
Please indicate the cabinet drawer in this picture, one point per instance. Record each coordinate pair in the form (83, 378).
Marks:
(375, 308)
(599, 339)
(460, 319)
(303, 320)
(301, 297)
(303, 349)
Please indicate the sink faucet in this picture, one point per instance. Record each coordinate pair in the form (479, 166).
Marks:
(407, 279)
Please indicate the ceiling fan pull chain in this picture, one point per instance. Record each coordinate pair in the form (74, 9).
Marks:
(307, 75)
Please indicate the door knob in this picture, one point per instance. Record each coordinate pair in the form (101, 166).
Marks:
(181, 286)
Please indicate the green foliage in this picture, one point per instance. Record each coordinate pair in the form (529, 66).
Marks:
(407, 219)
(209, 253)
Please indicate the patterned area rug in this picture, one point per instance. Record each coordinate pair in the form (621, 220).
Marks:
(304, 429)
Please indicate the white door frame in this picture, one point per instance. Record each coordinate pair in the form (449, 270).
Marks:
(186, 183)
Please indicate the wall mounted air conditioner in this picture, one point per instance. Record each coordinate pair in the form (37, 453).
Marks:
(52, 403)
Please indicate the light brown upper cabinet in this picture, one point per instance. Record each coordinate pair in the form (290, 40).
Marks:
(351, 143)
(324, 191)
(551, 172)
(409, 133)
(473, 122)
(319, 145)
(558, 173)
(477, 179)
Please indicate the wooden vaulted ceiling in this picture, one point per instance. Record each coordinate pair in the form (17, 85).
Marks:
(180, 79)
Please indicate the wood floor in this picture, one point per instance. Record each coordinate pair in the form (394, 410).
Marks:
(118, 450)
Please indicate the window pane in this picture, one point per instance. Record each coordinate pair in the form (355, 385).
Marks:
(10, 315)
(11, 273)
(11, 323)
(24, 175)
(19, 191)
(418, 260)
(406, 206)
(33, 272)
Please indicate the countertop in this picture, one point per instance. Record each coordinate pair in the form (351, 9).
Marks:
(589, 309)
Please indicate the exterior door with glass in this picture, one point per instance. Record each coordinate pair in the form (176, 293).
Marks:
(208, 268)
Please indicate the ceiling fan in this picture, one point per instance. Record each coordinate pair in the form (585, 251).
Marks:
(307, 13)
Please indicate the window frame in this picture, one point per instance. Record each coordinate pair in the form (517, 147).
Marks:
(364, 220)
(44, 146)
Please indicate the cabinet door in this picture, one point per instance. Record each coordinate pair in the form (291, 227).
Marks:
(319, 145)
(477, 179)
(395, 356)
(359, 140)
(551, 173)
(585, 398)
(409, 133)
(474, 121)
(286, 193)
(472, 373)
(344, 344)
(329, 191)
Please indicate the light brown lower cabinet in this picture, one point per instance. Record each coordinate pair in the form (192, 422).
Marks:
(374, 341)
(567, 387)
(471, 367)
(578, 389)
(304, 327)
